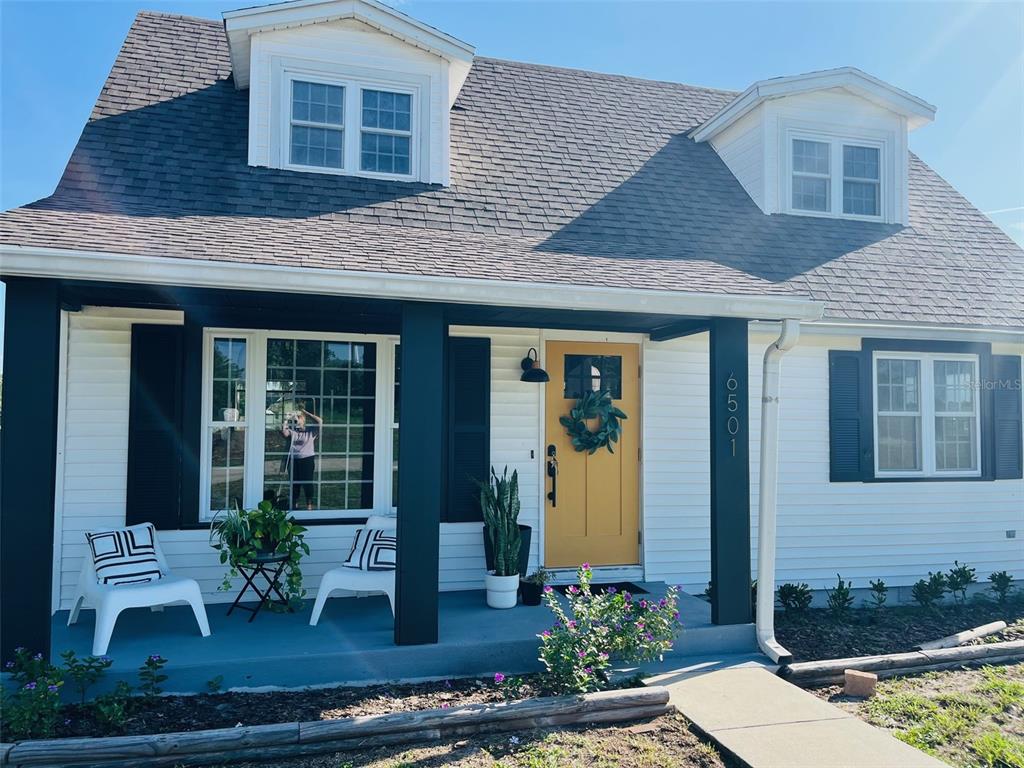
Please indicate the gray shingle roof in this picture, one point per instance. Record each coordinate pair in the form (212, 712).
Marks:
(558, 175)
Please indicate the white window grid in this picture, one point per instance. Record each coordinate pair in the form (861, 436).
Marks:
(836, 177)
(326, 125)
(352, 122)
(928, 413)
(255, 423)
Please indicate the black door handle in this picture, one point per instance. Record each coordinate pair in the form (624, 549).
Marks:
(553, 474)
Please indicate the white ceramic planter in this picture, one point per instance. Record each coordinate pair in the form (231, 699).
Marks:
(502, 591)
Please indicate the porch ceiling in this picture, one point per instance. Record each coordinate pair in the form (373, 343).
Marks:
(260, 309)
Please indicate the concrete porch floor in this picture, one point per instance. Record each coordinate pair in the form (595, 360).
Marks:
(353, 643)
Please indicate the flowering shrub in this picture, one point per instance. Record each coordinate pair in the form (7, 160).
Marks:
(578, 650)
(32, 709)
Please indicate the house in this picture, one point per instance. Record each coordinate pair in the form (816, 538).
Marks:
(328, 206)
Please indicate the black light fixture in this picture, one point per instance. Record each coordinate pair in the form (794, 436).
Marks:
(532, 370)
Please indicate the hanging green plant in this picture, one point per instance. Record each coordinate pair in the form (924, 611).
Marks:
(593, 405)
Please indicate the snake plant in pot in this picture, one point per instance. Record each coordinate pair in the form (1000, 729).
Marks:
(499, 501)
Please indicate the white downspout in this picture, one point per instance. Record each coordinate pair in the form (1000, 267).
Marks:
(768, 486)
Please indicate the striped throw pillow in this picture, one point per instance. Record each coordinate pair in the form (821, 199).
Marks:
(373, 550)
(125, 555)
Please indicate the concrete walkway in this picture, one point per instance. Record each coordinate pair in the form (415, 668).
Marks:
(765, 722)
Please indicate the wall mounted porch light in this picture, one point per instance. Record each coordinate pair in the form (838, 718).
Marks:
(531, 369)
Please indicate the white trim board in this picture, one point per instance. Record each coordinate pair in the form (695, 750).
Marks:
(159, 270)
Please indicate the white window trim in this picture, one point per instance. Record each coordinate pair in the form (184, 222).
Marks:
(352, 122)
(836, 143)
(926, 361)
(255, 421)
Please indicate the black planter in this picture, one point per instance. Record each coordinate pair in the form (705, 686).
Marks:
(524, 550)
(530, 592)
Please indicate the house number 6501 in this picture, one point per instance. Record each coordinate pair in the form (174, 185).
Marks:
(732, 404)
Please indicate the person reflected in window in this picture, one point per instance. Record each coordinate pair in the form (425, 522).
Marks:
(302, 437)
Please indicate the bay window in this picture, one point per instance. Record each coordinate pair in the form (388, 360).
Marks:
(314, 434)
(926, 415)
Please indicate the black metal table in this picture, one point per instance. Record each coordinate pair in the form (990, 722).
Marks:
(269, 567)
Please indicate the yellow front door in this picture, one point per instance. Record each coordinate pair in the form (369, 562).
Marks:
(593, 500)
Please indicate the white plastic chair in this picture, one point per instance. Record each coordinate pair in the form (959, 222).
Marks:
(356, 580)
(109, 600)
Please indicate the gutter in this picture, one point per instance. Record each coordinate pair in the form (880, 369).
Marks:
(768, 491)
(102, 266)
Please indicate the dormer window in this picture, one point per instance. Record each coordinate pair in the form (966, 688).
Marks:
(854, 191)
(318, 126)
(387, 132)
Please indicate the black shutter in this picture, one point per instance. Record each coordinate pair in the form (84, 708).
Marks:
(154, 427)
(469, 426)
(1006, 417)
(846, 404)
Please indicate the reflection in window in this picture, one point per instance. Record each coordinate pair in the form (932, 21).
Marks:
(320, 409)
(226, 429)
(899, 415)
(592, 373)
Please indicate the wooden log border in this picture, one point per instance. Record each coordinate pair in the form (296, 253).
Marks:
(894, 664)
(225, 745)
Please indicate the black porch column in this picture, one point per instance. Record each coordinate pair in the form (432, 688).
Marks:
(730, 473)
(421, 471)
(28, 463)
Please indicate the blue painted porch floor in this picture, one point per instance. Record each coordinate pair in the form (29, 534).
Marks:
(353, 643)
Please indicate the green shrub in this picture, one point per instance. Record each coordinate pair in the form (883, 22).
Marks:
(577, 651)
(150, 676)
(85, 671)
(927, 592)
(879, 593)
(1002, 584)
(31, 710)
(111, 709)
(795, 598)
(959, 578)
(840, 599)
(499, 502)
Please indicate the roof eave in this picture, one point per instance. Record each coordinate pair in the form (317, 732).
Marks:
(917, 111)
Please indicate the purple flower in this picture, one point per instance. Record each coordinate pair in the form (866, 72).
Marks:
(676, 615)
(640, 625)
(573, 589)
(67, 721)
(604, 656)
(499, 678)
(548, 588)
(663, 602)
(448, 684)
(572, 624)
(589, 670)
(9, 665)
(628, 596)
(445, 705)
(546, 633)
(643, 603)
(612, 590)
(650, 637)
(155, 657)
(51, 688)
(558, 625)
(30, 686)
(104, 659)
(38, 657)
(585, 566)
(581, 654)
(20, 649)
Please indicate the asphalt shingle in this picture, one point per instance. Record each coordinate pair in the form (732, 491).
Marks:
(558, 175)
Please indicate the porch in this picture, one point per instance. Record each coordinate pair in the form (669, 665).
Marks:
(124, 364)
(353, 643)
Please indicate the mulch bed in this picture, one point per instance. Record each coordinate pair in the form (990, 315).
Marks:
(662, 742)
(816, 634)
(167, 714)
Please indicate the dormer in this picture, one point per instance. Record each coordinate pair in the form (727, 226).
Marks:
(349, 87)
(830, 144)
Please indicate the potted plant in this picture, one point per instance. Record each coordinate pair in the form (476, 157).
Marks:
(244, 536)
(532, 587)
(499, 501)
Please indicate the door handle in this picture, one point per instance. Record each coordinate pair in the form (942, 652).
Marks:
(553, 474)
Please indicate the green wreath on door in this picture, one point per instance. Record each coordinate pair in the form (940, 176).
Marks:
(593, 405)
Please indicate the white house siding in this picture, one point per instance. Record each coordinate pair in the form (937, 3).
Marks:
(893, 531)
(741, 147)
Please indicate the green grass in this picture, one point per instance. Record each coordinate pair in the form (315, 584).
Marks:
(972, 719)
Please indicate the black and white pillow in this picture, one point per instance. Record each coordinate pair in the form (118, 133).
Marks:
(125, 555)
(373, 550)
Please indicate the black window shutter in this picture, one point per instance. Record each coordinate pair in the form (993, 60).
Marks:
(845, 411)
(154, 427)
(1006, 417)
(469, 426)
